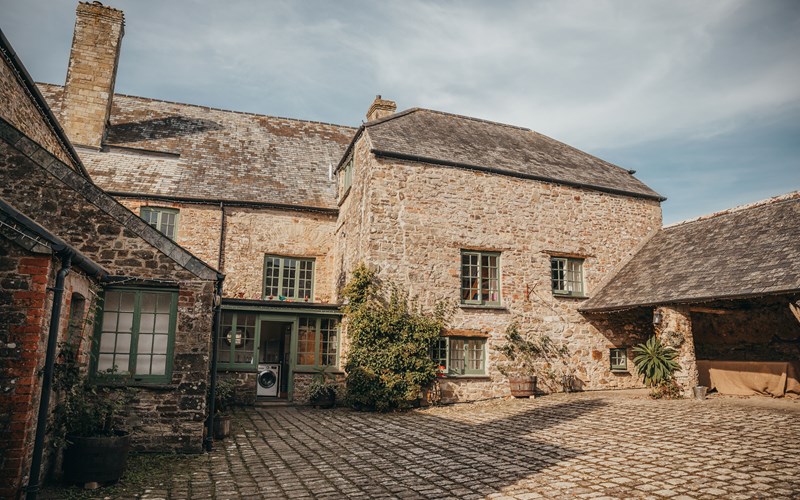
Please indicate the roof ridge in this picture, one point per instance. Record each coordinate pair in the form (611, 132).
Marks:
(474, 119)
(247, 113)
(793, 195)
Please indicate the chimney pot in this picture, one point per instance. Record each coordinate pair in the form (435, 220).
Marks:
(380, 108)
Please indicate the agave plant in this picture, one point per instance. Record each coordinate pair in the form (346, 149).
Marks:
(655, 362)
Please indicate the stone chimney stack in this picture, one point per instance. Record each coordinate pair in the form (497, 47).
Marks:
(92, 70)
(380, 108)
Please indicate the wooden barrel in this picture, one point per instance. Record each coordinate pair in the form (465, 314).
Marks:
(522, 387)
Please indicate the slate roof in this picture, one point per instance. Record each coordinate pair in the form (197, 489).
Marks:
(460, 141)
(747, 251)
(185, 151)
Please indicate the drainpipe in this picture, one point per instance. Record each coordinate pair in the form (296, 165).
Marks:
(217, 324)
(47, 383)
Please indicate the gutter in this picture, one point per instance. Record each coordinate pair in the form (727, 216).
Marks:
(509, 173)
(218, 201)
(41, 103)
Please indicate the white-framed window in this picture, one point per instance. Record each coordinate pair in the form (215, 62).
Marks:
(460, 355)
(288, 278)
(566, 276)
(163, 219)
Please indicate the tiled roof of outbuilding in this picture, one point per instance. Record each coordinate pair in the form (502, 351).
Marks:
(437, 137)
(169, 149)
(746, 251)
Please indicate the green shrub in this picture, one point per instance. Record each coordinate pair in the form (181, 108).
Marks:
(391, 338)
(655, 362)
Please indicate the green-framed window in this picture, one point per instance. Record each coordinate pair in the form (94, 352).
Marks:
(460, 355)
(236, 344)
(317, 342)
(480, 278)
(347, 176)
(619, 359)
(136, 334)
(288, 278)
(163, 219)
(566, 276)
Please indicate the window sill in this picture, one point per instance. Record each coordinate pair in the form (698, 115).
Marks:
(619, 371)
(568, 296)
(479, 307)
(315, 371)
(466, 377)
(156, 386)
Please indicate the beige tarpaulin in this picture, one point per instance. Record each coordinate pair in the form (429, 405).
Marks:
(746, 378)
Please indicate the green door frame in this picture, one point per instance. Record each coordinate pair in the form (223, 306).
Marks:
(295, 321)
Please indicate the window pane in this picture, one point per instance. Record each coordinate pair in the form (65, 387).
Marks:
(107, 341)
(127, 301)
(162, 323)
(146, 323)
(125, 323)
(306, 337)
(123, 343)
(109, 322)
(143, 364)
(457, 356)
(160, 344)
(159, 365)
(289, 276)
(329, 341)
(145, 344)
(121, 363)
(148, 304)
(439, 354)
(111, 302)
(105, 362)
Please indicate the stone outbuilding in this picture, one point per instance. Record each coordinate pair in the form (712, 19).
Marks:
(81, 273)
(724, 290)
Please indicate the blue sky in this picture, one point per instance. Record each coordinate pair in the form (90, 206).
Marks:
(701, 98)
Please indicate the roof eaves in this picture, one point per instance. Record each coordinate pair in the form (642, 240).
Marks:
(684, 300)
(519, 175)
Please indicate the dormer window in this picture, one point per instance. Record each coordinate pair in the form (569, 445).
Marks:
(567, 276)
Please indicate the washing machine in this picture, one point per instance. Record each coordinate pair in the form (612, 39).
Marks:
(269, 377)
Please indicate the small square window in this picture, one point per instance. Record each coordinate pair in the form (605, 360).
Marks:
(163, 219)
(619, 359)
(566, 275)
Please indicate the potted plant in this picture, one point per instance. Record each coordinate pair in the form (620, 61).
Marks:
(88, 419)
(224, 397)
(524, 352)
(322, 389)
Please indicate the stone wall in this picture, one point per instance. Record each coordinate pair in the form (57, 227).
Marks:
(171, 417)
(411, 221)
(17, 108)
(251, 234)
(198, 227)
(675, 331)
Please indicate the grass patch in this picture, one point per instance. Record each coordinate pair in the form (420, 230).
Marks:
(144, 471)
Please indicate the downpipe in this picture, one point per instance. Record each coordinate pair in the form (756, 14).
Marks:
(212, 393)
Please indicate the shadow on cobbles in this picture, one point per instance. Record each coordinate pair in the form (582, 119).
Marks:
(464, 454)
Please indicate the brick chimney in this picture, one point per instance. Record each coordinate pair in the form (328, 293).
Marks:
(91, 73)
(380, 108)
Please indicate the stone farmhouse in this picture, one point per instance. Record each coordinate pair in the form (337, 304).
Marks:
(187, 210)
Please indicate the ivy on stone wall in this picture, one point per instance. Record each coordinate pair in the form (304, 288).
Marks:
(391, 338)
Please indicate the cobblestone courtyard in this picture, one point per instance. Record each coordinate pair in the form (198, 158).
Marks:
(562, 446)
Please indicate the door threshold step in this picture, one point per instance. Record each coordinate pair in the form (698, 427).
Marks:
(273, 404)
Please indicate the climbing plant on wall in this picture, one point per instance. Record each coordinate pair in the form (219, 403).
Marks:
(391, 338)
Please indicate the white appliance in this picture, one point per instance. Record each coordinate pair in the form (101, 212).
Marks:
(269, 377)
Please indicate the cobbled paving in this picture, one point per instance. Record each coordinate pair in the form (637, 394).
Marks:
(561, 446)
